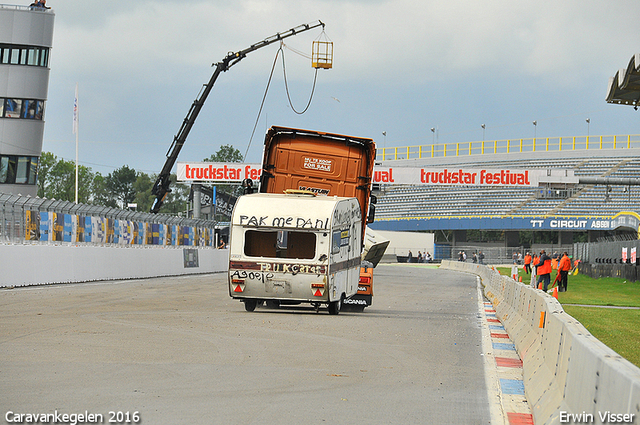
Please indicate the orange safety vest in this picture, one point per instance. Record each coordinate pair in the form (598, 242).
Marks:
(564, 264)
(554, 264)
(544, 268)
(536, 260)
(527, 259)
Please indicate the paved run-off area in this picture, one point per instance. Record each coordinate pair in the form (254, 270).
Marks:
(179, 350)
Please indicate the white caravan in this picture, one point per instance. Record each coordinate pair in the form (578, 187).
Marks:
(294, 248)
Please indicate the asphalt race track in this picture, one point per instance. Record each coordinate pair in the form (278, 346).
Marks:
(180, 351)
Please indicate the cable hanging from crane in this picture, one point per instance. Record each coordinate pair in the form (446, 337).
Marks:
(324, 60)
(264, 97)
(286, 86)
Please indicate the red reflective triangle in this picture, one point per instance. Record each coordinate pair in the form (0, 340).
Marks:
(238, 289)
(318, 293)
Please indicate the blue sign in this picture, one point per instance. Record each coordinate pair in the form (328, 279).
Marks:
(629, 220)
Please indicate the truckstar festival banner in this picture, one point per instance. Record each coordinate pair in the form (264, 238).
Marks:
(462, 176)
(217, 171)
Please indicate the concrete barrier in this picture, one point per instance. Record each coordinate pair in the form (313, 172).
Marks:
(567, 371)
(39, 264)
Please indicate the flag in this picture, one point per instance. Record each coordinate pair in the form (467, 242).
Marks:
(75, 112)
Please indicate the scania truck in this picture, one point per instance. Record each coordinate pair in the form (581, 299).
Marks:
(300, 238)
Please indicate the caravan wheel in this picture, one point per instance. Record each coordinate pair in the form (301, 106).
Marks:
(334, 307)
(250, 305)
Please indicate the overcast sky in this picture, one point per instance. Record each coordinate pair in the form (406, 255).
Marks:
(400, 67)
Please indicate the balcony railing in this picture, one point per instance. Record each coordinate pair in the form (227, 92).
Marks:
(19, 7)
(492, 147)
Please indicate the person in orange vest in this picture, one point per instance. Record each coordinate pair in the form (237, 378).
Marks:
(563, 268)
(543, 270)
(527, 263)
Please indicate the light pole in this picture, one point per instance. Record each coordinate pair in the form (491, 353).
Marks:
(433, 140)
(384, 145)
(535, 132)
(588, 120)
(483, 128)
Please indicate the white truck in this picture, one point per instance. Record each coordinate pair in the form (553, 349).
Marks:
(294, 248)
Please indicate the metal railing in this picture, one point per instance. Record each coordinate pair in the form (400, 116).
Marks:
(25, 220)
(19, 7)
(499, 255)
(492, 147)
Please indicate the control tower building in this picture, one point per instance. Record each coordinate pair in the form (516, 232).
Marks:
(26, 35)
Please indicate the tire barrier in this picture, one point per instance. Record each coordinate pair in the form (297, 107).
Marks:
(569, 375)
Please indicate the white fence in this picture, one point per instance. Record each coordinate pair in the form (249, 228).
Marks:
(39, 264)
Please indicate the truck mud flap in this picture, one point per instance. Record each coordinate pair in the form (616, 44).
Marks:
(357, 302)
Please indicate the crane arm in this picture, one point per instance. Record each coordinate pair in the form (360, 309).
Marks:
(161, 186)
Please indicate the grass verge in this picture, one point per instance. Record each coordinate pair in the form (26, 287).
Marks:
(619, 329)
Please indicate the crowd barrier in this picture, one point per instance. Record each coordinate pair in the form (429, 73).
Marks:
(567, 371)
(25, 219)
(45, 241)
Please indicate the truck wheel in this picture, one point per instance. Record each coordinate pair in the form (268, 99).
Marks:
(250, 305)
(334, 307)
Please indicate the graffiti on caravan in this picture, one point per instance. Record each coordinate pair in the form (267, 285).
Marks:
(284, 221)
(459, 176)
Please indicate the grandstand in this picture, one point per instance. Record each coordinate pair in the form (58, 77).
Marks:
(438, 207)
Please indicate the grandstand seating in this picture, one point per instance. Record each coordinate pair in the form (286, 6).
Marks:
(401, 202)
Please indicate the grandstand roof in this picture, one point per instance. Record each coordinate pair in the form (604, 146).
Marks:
(624, 88)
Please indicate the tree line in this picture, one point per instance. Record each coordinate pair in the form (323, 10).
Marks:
(121, 187)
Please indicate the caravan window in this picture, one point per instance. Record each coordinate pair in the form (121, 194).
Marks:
(339, 239)
(280, 244)
(335, 242)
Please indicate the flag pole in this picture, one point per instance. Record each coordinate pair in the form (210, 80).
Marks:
(75, 130)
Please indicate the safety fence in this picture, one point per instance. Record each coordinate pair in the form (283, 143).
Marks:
(24, 219)
(492, 147)
(497, 254)
(566, 369)
(609, 252)
(610, 259)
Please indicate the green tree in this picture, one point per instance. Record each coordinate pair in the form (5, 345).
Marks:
(177, 201)
(47, 161)
(57, 179)
(142, 187)
(62, 181)
(85, 179)
(100, 192)
(226, 153)
(120, 184)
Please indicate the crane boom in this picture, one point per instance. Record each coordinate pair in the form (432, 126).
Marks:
(161, 186)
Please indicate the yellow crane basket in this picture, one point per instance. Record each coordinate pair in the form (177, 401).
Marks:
(322, 54)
